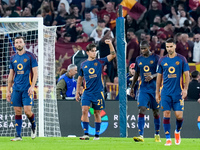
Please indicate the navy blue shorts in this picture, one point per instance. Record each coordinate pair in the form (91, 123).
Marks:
(174, 102)
(97, 100)
(147, 100)
(21, 98)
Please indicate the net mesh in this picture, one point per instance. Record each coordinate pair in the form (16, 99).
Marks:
(29, 30)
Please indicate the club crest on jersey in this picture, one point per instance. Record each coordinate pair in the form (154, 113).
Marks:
(95, 64)
(177, 62)
(15, 61)
(151, 62)
(25, 60)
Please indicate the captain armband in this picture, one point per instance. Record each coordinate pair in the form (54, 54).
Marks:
(112, 53)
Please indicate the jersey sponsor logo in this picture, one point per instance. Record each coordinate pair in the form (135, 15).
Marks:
(19, 66)
(140, 63)
(177, 62)
(95, 64)
(171, 69)
(15, 61)
(91, 71)
(165, 64)
(25, 60)
(146, 68)
(151, 62)
(85, 67)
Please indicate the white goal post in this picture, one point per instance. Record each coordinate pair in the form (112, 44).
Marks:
(41, 41)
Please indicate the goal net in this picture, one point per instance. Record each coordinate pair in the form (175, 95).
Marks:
(40, 40)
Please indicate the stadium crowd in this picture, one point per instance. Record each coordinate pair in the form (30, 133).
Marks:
(89, 20)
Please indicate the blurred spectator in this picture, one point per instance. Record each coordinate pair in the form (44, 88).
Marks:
(46, 14)
(130, 23)
(156, 45)
(185, 29)
(195, 14)
(12, 5)
(101, 23)
(88, 24)
(133, 49)
(162, 39)
(79, 39)
(109, 10)
(196, 29)
(193, 4)
(66, 86)
(27, 12)
(167, 30)
(54, 5)
(93, 13)
(22, 3)
(85, 37)
(196, 49)
(98, 37)
(61, 17)
(183, 47)
(76, 13)
(142, 29)
(66, 4)
(150, 14)
(17, 12)
(173, 16)
(106, 18)
(184, 16)
(1, 9)
(154, 29)
(194, 87)
(80, 4)
(65, 39)
(8, 12)
(75, 31)
(37, 4)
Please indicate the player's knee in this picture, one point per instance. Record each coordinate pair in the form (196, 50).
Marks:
(28, 113)
(167, 114)
(142, 110)
(85, 112)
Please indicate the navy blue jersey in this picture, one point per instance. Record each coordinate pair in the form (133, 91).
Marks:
(92, 72)
(22, 66)
(147, 66)
(172, 70)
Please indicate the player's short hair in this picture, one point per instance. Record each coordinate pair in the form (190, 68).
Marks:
(71, 66)
(90, 46)
(144, 43)
(195, 74)
(170, 40)
(19, 37)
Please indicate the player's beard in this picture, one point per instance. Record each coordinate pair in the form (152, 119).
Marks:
(20, 49)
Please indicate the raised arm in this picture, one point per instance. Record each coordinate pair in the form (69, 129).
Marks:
(79, 82)
(112, 50)
(10, 83)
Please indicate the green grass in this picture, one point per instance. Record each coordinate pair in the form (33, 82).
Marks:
(63, 143)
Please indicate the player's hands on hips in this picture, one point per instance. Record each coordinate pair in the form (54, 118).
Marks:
(30, 91)
(132, 93)
(108, 41)
(158, 97)
(8, 96)
(148, 78)
(77, 97)
(184, 94)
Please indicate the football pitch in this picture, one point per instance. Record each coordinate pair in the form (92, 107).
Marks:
(63, 143)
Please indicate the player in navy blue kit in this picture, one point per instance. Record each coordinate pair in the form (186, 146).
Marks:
(23, 73)
(170, 69)
(91, 71)
(145, 67)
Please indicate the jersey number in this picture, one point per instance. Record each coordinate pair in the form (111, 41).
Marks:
(99, 102)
